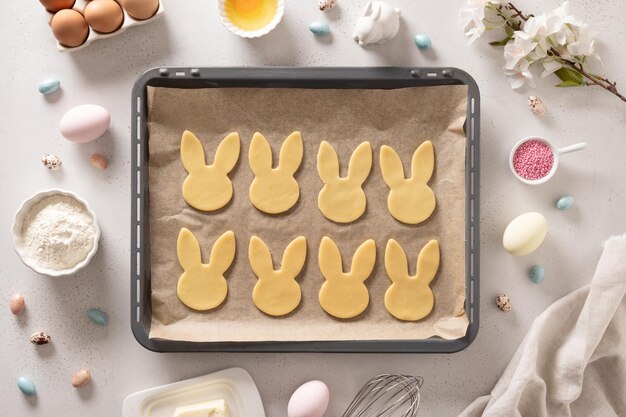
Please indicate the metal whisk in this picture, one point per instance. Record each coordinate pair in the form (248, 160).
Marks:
(387, 396)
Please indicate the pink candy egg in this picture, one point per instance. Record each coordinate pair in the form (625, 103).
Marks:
(85, 123)
(309, 400)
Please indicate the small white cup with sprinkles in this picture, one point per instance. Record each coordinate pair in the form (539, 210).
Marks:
(534, 160)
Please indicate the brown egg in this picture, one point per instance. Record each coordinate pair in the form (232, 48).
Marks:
(54, 6)
(70, 28)
(104, 16)
(141, 9)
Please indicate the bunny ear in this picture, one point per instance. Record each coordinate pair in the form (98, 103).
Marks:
(260, 155)
(360, 162)
(294, 256)
(368, 9)
(223, 252)
(188, 250)
(327, 163)
(423, 162)
(329, 259)
(363, 260)
(191, 152)
(260, 256)
(391, 167)
(428, 262)
(227, 153)
(378, 12)
(396, 263)
(291, 153)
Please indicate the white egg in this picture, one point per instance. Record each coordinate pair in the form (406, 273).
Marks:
(309, 400)
(525, 233)
(85, 123)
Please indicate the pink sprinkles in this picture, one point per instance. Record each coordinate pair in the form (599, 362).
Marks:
(533, 160)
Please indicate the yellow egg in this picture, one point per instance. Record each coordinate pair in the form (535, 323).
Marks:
(70, 28)
(250, 14)
(525, 234)
(104, 16)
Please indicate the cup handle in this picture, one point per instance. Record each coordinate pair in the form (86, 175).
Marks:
(572, 148)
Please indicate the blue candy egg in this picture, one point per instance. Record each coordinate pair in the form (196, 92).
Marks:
(536, 273)
(26, 385)
(319, 28)
(49, 86)
(565, 203)
(98, 316)
(422, 41)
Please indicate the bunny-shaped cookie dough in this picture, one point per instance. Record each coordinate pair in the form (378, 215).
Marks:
(275, 190)
(276, 292)
(410, 200)
(342, 200)
(410, 297)
(203, 286)
(344, 294)
(207, 187)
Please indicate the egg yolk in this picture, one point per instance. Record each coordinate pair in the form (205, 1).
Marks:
(250, 14)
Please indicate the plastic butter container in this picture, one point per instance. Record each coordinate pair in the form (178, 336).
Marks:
(235, 386)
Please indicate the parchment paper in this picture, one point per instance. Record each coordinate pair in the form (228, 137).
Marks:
(401, 118)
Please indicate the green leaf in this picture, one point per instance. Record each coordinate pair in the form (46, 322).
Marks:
(570, 84)
(509, 30)
(570, 75)
(501, 42)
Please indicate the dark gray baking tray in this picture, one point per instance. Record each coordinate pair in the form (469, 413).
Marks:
(282, 77)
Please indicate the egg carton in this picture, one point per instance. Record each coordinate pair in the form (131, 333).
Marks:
(94, 36)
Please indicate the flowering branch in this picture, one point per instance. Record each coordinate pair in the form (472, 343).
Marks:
(559, 42)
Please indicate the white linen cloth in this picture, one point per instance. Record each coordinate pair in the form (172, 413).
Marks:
(572, 362)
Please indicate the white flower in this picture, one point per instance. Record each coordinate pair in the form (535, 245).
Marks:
(517, 50)
(520, 74)
(473, 18)
(550, 65)
(583, 44)
(561, 14)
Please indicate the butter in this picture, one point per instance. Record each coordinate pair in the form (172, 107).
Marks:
(215, 408)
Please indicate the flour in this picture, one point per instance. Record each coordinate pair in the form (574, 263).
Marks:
(58, 232)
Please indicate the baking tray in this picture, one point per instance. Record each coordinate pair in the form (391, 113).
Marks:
(288, 77)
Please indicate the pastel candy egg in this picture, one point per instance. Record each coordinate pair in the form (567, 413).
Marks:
(309, 400)
(85, 123)
(525, 233)
(26, 385)
(536, 273)
(49, 86)
(565, 203)
(422, 41)
(319, 28)
(98, 316)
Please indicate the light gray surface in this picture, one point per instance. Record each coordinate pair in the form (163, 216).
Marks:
(189, 34)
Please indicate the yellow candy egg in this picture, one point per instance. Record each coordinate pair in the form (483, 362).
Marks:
(525, 233)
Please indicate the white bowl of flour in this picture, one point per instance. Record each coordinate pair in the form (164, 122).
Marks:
(55, 233)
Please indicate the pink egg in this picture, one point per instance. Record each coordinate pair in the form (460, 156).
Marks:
(309, 400)
(85, 123)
